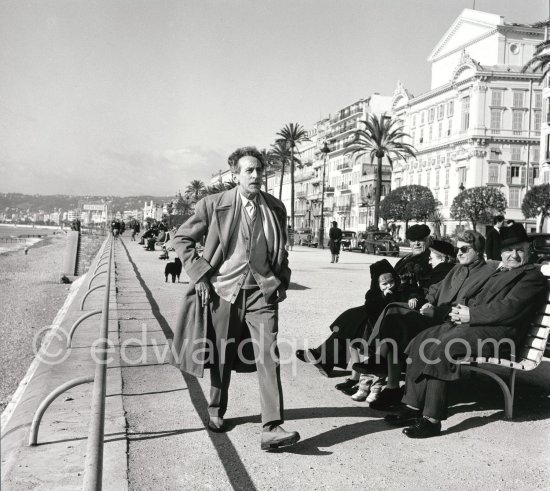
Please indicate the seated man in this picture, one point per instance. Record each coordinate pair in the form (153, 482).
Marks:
(399, 323)
(494, 316)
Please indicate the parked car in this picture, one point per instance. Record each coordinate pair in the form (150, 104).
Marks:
(380, 243)
(539, 248)
(349, 241)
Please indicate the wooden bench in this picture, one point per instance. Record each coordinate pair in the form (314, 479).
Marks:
(529, 356)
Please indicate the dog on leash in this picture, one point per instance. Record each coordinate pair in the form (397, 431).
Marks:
(174, 269)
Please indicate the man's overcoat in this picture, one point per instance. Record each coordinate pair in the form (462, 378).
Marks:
(214, 219)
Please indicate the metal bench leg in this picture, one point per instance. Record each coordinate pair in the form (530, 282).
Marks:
(507, 390)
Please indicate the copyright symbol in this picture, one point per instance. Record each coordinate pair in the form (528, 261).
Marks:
(49, 345)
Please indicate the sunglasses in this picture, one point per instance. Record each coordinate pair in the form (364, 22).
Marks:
(464, 249)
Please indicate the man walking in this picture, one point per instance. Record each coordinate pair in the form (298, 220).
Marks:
(234, 292)
(335, 239)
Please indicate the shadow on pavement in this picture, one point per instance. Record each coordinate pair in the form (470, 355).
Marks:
(296, 286)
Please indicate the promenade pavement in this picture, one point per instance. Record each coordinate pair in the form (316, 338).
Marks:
(344, 444)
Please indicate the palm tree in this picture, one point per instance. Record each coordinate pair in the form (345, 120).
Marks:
(381, 137)
(280, 153)
(541, 56)
(195, 189)
(292, 134)
(268, 159)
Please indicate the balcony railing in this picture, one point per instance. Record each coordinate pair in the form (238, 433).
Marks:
(300, 194)
(304, 176)
(343, 208)
(329, 190)
(344, 166)
(343, 187)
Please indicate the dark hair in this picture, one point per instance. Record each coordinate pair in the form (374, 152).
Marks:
(334, 223)
(233, 159)
(475, 239)
(498, 219)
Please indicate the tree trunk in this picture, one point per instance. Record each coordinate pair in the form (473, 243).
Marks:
(377, 192)
(281, 184)
(292, 187)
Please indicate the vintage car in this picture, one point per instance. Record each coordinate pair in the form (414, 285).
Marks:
(349, 241)
(539, 248)
(380, 243)
(305, 237)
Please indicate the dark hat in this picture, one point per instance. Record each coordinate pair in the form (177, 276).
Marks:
(418, 232)
(443, 247)
(380, 267)
(514, 234)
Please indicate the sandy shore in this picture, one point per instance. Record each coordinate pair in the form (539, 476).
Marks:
(30, 296)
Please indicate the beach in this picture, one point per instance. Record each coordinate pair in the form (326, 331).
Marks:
(31, 296)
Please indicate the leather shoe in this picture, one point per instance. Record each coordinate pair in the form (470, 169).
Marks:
(405, 417)
(277, 437)
(216, 425)
(387, 399)
(372, 367)
(347, 384)
(423, 429)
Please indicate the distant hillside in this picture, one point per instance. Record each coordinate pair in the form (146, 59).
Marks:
(36, 202)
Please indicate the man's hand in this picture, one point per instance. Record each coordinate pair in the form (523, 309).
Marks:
(427, 309)
(413, 302)
(460, 314)
(281, 295)
(202, 287)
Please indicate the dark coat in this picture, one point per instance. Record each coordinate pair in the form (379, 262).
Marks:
(335, 239)
(213, 218)
(435, 276)
(492, 244)
(502, 308)
(414, 273)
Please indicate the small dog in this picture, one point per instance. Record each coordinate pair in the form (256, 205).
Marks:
(173, 269)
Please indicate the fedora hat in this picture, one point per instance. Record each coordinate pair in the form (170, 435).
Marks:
(514, 234)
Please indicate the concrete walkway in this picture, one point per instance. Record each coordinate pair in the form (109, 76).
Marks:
(344, 444)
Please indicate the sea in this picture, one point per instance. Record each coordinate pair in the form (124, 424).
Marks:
(17, 237)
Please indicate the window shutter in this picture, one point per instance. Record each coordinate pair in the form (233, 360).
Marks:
(531, 176)
(508, 175)
(522, 176)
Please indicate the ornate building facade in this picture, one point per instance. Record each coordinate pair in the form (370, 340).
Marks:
(480, 123)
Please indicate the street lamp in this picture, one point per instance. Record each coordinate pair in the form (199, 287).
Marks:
(325, 150)
(461, 187)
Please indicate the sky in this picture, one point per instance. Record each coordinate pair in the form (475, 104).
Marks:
(129, 97)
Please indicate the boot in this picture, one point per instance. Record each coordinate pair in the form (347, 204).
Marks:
(332, 260)
(337, 258)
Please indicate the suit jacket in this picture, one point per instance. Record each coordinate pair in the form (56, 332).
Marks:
(492, 244)
(213, 219)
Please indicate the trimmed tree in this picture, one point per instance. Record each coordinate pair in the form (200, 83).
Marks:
(408, 203)
(478, 205)
(536, 204)
(381, 137)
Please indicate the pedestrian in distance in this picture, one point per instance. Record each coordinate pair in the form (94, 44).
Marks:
(334, 242)
(234, 292)
(492, 239)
